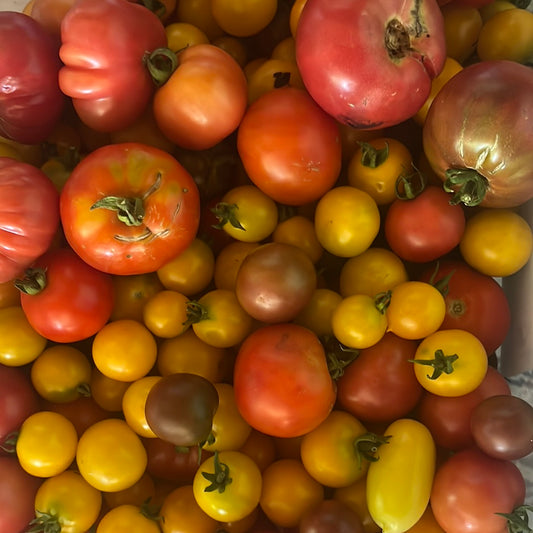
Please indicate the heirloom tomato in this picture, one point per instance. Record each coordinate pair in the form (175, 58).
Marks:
(281, 380)
(376, 59)
(31, 101)
(64, 298)
(129, 208)
(29, 216)
(290, 148)
(477, 135)
(99, 84)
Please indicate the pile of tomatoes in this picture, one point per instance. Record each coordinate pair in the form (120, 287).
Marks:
(248, 254)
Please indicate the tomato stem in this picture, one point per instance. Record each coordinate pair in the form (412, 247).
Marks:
(382, 301)
(129, 210)
(410, 185)
(397, 40)
(220, 478)
(281, 79)
(155, 6)
(161, 64)
(196, 312)
(373, 157)
(338, 356)
(468, 185)
(441, 363)
(33, 282)
(518, 520)
(366, 446)
(227, 213)
(45, 523)
(10, 443)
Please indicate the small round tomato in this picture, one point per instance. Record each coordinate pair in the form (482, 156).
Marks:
(261, 448)
(415, 310)
(110, 455)
(183, 34)
(107, 392)
(133, 405)
(317, 314)
(450, 362)
(234, 47)
(377, 165)
(244, 19)
(496, 242)
(227, 486)
(228, 262)
(127, 518)
(462, 25)
(289, 491)
(124, 350)
(67, 501)
(165, 313)
(61, 373)
(46, 444)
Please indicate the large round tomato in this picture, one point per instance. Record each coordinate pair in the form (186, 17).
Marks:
(281, 380)
(289, 147)
(129, 208)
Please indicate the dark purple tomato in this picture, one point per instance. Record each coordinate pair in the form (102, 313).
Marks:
(331, 516)
(180, 408)
(502, 426)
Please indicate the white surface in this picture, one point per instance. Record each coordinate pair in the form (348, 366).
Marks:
(12, 5)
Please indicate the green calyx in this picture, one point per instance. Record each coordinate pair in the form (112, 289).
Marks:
(442, 364)
(366, 446)
(220, 478)
(227, 214)
(467, 185)
(33, 282)
(373, 157)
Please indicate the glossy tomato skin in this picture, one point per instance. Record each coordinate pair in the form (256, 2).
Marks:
(424, 228)
(477, 123)
(372, 63)
(331, 516)
(30, 203)
(75, 302)
(104, 71)
(281, 380)
(165, 226)
(31, 103)
(470, 488)
(290, 148)
(474, 301)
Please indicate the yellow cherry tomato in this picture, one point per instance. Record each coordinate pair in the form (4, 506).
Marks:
(228, 262)
(377, 165)
(450, 362)
(462, 25)
(128, 518)
(227, 486)
(110, 455)
(124, 350)
(67, 501)
(244, 18)
(260, 447)
(180, 35)
(374, 271)
(234, 47)
(191, 271)
(46, 444)
(61, 374)
(415, 310)
(199, 14)
(139, 493)
(496, 242)
(133, 404)
(494, 7)
(398, 484)
(165, 313)
(294, 16)
(318, 313)
(285, 49)
(20, 344)
(347, 221)
(299, 231)
(107, 392)
(357, 322)
(230, 430)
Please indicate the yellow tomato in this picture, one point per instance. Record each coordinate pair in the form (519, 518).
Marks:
(398, 484)
(107, 392)
(260, 447)
(111, 456)
(61, 373)
(133, 403)
(124, 350)
(496, 242)
(285, 49)
(139, 493)
(462, 25)
(374, 271)
(46, 444)
(450, 362)
(180, 35)
(300, 232)
(198, 13)
(415, 310)
(234, 47)
(191, 271)
(127, 518)
(347, 221)
(165, 313)
(228, 262)
(494, 7)
(294, 16)
(20, 344)
(243, 18)
(318, 313)
(377, 165)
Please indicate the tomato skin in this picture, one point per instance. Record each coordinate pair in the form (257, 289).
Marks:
(106, 102)
(475, 114)
(170, 201)
(290, 148)
(76, 300)
(31, 203)
(33, 104)
(274, 364)
(399, 483)
(367, 82)
(424, 228)
(470, 488)
(195, 118)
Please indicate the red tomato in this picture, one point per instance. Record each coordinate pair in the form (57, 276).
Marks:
(371, 64)
(204, 99)
(448, 418)
(474, 302)
(104, 68)
(129, 208)
(30, 203)
(281, 380)
(31, 102)
(471, 488)
(424, 228)
(380, 385)
(290, 148)
(65, 299)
